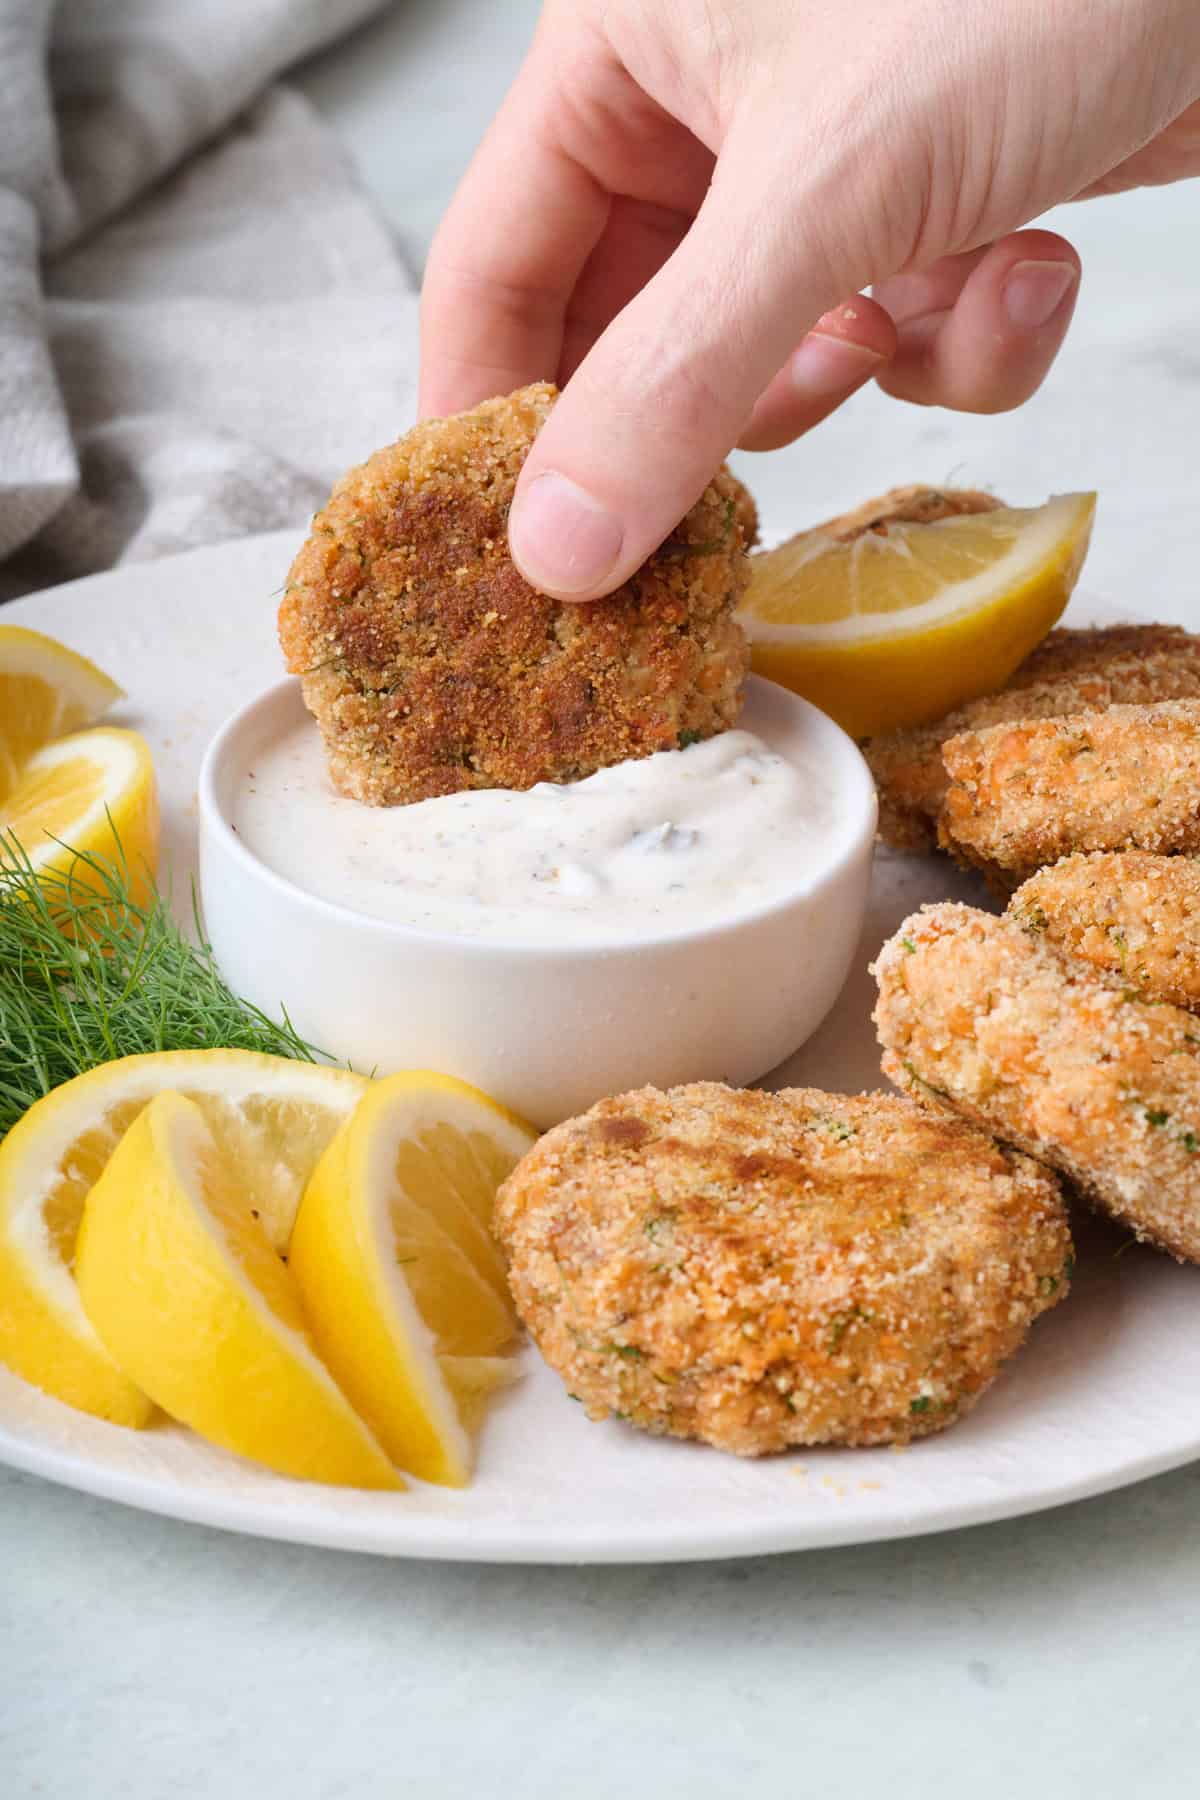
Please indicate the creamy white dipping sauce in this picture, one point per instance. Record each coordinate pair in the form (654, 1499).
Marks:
(673, 841)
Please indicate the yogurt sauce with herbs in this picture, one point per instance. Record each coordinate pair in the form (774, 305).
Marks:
(673, 841)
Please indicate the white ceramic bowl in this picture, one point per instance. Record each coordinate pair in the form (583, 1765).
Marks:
(549, 1028)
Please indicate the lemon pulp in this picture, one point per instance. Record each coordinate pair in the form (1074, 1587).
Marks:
(46, 691)
(271, 1118)
(898, 622)
(402, 1284)
(93, 794)
(186, 1290)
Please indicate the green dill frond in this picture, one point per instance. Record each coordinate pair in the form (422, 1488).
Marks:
(88, 975)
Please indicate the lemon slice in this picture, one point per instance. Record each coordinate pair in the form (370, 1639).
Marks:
(187, 1292)
(896, 621)
(271, 1117)
(95, 793)
(46, 690)
(402, 1286)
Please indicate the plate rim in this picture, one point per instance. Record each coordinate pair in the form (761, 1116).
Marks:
(452, 1540)
(381, 1528)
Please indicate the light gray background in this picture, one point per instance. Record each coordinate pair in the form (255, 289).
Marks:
(1057, 1656)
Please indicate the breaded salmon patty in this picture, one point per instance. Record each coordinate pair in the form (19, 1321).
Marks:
(1070, 1065)
(1071, 671)
(764, 1270)
(1023, 796)
(431, 665)
(1130, 912)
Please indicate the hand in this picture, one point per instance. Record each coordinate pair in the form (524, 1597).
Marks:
(675, 200)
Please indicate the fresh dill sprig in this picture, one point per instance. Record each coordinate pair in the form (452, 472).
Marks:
(87, 974)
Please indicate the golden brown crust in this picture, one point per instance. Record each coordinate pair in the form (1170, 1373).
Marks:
(1056, 1058)
(1128, 912)
(764, 1270)
(1022, 796)
(431, 665)
(1069, 672)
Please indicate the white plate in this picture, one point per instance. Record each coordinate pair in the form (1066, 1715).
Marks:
(1104, 1394)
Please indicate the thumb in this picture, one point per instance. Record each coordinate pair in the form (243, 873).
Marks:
(664, 394)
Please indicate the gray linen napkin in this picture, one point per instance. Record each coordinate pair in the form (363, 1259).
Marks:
(202, 320)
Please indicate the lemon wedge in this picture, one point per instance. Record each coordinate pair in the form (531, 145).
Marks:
(402, 1284)
(94, 792)
(46, 690)
(194, 1303)
(270, 1117)
(894, 615)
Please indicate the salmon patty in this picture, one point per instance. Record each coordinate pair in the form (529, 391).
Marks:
(1127, 911)
(1071, 671)
(1062, 1061)
(764, 1270)
(431, 665)
(1023, 796)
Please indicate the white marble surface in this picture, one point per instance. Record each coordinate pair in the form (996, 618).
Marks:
(1056, 1655)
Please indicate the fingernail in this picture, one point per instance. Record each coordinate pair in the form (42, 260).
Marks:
(830, 365)
(1034, 292)
(562, 540)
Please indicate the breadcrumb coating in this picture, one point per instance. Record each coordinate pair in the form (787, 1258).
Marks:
(1062, 1061)
(915, 504)
(1128, 912)
(432, 666)
(1070, 672)
(1022, 796)
(765, 1270)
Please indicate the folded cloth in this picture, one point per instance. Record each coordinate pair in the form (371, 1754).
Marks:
(201, 318)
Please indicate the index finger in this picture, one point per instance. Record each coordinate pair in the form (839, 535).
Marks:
(507, 256)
